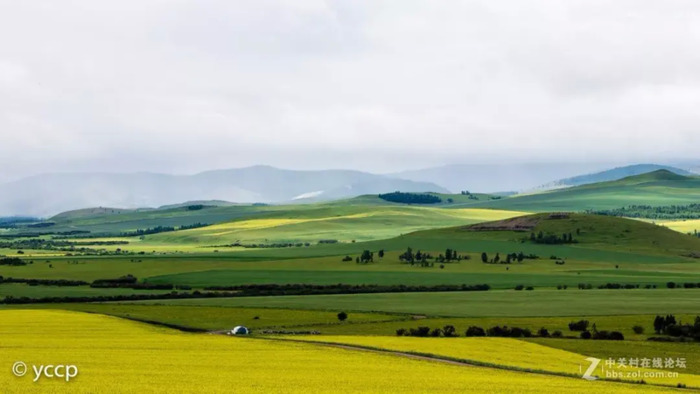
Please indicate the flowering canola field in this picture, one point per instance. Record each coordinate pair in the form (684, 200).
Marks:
(507, 352)
(115, 355)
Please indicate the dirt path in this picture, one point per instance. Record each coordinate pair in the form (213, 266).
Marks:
(393, 353)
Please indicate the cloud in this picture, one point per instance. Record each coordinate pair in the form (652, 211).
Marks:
(189, 85)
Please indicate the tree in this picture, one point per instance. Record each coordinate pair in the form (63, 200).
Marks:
(497, 258)
(381, 254)
(342, 316)
(484, 257)
(366, 256)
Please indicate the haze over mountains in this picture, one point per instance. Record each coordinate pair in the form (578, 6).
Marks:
(49, 194)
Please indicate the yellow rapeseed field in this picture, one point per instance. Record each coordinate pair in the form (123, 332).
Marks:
(683, 226)
(500, 351)
(114, 355)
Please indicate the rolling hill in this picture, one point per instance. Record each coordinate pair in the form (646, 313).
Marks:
(661, 187)
(612, 175)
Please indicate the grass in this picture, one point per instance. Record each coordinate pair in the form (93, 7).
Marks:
(621, 323)
(647, 189)
(218, 318)
(116, 355)
(23, 290)
(483, 303)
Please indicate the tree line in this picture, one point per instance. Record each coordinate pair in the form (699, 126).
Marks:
(410, 198)
(690, 211)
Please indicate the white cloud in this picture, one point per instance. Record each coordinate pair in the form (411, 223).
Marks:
(189, 85)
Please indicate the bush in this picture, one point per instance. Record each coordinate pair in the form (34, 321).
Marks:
(401, 332)
(419, 332)
(608, 335)
(342, 316)
(436, 332)
(474, 331)
(519, 287)
(529, 288)
(449, 331)
(557, 334)
(511, 332)
(586, 335)
(638, 329)
(581, 325)
(543, 332)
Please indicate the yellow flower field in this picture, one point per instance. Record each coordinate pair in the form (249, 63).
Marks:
(114, 355)
(498, 351)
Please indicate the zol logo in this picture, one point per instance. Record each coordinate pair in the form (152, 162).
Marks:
(588, 375)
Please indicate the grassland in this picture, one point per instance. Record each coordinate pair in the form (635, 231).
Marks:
(655, 188)
(218, 318)
(481, 303)
(116, 355)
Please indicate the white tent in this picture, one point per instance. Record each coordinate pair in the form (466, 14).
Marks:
(240, 330)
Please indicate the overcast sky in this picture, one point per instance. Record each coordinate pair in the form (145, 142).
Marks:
(183, 86)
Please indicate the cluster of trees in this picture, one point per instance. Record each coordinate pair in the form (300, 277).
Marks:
(422, 258)
(161, 229)
(588, 286)
(111, 298)
(513, 332)
(669, 326)
(44, 282)
(509, 259)
(129, 282)
(13, 261)
(263, 246)
(469, 195)
(686, 285)
(690, 211)
(582, 326)
(53, 244)
(552, 239)
(410, 198)
(365, 257)
(448, 331)
(309, 289)
(603, 335)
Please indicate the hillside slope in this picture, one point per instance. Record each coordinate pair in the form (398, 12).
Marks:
(656, 188)
(612, 175)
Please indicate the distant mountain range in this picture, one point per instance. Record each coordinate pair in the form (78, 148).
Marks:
(493, 178)
(50, 194)
(46, 195)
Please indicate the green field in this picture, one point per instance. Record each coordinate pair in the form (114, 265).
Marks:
(481, 303)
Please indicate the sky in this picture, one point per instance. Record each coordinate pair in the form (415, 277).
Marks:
(184, 86)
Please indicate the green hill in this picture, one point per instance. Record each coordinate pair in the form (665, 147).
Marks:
(656, 188)
(590, 231)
